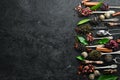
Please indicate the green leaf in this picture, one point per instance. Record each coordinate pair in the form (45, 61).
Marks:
(83, 21)
(80, 58)
(82, 40)
(103, 41)
(108, 77)
(97, 6)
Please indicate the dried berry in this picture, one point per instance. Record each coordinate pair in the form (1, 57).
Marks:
(91, 76)
(107, 15)
(86, 69)
(105, 7)
(112, 44)
(84, 54)
(96, 73)
(102, 17)
(83, 11)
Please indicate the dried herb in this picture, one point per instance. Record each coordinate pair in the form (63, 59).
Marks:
(110, 71)
(108, 58)
(79, 47)
(83, 29)
(95, 55)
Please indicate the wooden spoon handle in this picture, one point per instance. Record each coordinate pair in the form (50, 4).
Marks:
(95, 62)
(83, 1)
(116, 14)
(112, 24)
(103, 49)
(90, 3)
(98, 62)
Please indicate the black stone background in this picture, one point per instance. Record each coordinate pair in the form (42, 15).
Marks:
(36, 39)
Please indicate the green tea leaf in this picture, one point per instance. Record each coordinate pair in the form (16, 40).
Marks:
(80, 58)
(82, 40)
(103, 41)
(108, 77)
(83, 21)
(96, 6)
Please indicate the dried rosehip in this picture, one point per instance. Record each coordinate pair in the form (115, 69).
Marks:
(112, 44)
(83, 11)
(86, 69)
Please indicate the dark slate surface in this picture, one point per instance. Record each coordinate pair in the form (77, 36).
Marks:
(36, 39)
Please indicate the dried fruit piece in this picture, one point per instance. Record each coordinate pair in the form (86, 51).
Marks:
(91, 76)
(86, 69)
(112, 44)
(84, 54)
(96, 73)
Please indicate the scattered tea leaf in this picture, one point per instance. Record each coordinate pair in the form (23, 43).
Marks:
(83, 21)
(108, 77)
(80, 58)
(82, 40)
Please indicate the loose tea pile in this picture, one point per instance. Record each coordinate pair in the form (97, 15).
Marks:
(98, 45)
